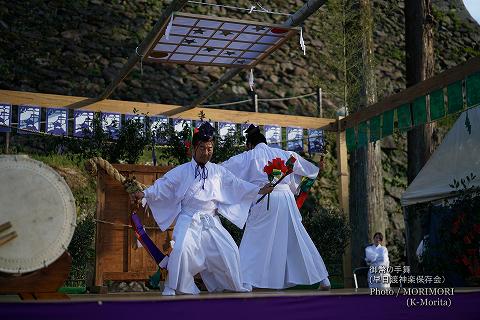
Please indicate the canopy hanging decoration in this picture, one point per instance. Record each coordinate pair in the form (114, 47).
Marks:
(216, 41)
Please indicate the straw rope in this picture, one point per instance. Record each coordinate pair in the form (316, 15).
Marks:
(131, 185)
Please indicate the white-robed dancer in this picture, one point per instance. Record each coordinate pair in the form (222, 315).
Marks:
(376, 256)
(276, 252)
(192, 193)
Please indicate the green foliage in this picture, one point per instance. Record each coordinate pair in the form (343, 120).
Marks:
(474, 52)
(81, 248)
(177, 144)
(330, 232)
(128, 147)
(457, 251)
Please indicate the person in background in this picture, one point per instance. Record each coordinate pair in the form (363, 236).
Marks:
(376, 256)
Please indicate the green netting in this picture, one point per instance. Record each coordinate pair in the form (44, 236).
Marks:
(473, 89)
(419, 109)
(404, 117)
(437, 105)
(362, 134)
(387, 123)
(375, 129)
(350, 137)
(455, 97)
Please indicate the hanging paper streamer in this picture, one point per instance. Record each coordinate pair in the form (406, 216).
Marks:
(419, 108)
(29, 119)
(111, 123)
(387, 123)
(437, 105)
(316, 141)
(169, 28)
(273, 134)
(5, 117)
(226, 128)
(179, 124)
(295, 139)
(158, 126)
(57, 123)
(251, 80)
(302, 43)
(82, 123)
(136, 117)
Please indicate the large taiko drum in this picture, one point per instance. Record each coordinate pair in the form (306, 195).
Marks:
(39, 208)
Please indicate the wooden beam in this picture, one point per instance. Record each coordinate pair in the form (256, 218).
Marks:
(408, 95)
(256, 117)
(293, 20)
(53, 100)
(125, 107)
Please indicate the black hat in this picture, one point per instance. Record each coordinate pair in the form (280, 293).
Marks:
(252, 129)
(205, 133)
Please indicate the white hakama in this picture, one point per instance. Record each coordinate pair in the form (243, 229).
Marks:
(276, 251)
(201, 243)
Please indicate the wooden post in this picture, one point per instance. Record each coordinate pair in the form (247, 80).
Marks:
(319, 102)
(7, 142)
(343, 180)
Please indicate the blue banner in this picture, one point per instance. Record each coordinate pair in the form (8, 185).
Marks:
(57, 121)
(28, 119)
(111, 123)
(82, 122)
(273, 134)
(178, 124)
(5, 117)
(316, 141)
(136, 117)
(295, 139)
(158, 125)
(226, 128)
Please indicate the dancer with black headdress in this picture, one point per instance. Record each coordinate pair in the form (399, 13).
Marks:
(192, 194)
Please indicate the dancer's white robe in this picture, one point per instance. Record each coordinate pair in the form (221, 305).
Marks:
(201, 243)
(276, 252)
(377, 256)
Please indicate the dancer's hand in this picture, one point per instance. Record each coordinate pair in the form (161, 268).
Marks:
(266, 189)
(137, 196)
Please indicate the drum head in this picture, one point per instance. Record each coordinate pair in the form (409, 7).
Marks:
(40, 206)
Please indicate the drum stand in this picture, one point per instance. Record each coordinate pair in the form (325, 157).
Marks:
(40, 284)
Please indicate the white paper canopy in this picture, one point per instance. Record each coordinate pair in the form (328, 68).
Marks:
(205, 40)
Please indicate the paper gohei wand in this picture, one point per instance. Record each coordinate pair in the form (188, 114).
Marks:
(277, 169)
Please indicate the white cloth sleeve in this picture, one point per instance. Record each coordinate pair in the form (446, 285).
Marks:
(234, 198)
(304, 168)
(236, 164)
(161, 200)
